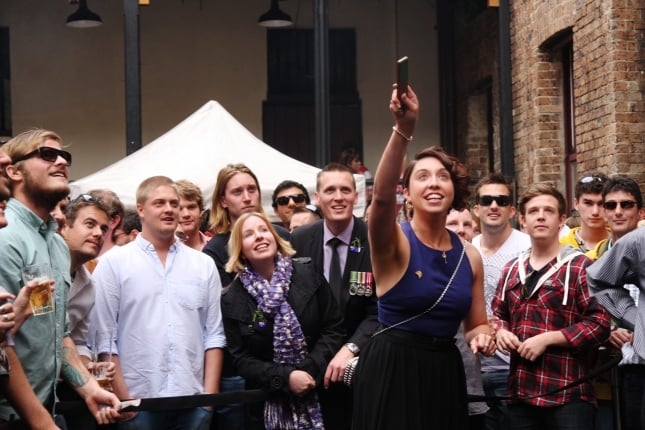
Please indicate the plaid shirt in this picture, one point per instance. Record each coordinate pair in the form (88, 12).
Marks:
(579, 317)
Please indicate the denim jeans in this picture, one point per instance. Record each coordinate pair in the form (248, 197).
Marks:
(188, 419)
(577, 415)
(495, 384)
(231, 417)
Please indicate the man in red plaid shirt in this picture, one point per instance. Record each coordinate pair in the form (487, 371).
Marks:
(548, 321)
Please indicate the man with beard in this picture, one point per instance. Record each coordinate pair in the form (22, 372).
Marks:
(38, 180)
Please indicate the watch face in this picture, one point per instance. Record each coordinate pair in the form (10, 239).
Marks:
(352, 347)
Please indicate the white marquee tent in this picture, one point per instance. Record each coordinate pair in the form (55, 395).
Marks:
(196, 149)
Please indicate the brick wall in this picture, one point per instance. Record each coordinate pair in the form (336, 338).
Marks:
(608, 78)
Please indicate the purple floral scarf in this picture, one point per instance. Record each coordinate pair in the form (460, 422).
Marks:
(289, 347)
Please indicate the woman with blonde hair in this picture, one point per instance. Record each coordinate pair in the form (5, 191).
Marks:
(282, 325)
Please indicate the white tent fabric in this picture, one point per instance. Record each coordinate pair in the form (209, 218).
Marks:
(196, 149)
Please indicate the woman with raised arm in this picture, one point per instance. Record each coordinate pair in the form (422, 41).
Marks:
(427, 280)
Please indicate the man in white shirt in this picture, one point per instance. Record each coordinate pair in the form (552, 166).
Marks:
(498, 243)
(162, 299)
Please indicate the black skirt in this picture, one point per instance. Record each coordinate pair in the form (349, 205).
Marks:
(409, 381)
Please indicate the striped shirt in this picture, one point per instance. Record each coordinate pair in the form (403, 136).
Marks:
(623, 264)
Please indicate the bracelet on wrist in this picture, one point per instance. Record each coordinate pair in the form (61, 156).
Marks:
(400, 133)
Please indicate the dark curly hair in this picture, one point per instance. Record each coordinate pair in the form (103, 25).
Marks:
(458, 173)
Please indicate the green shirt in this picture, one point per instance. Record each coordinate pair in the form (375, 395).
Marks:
(28, 240)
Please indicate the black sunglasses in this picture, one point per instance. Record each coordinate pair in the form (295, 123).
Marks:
(87, 198)
(501, 200)
(297, 199)
(625, 204)
(47, 153)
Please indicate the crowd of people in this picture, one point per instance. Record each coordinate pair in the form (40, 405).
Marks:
(344, 323)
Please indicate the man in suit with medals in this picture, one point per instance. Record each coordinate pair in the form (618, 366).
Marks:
(338, 247)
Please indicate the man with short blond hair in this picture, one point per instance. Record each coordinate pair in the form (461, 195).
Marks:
(169, 295)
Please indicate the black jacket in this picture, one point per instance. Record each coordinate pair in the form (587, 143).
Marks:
(359, 312)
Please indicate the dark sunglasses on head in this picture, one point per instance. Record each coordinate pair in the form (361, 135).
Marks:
(501, 200)
(87, 198)
(297, 199)
(625, 204)
(588, 179)
(47, 153)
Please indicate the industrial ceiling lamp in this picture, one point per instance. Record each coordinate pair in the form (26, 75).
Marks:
(83, 17)
(275, 17)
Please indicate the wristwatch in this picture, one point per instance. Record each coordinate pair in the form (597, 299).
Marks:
(354, 349)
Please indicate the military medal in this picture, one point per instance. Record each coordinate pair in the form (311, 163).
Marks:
(353, 283)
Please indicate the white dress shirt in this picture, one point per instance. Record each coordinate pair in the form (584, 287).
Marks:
(164, 317)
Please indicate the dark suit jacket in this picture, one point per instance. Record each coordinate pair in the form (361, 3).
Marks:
(359, 312)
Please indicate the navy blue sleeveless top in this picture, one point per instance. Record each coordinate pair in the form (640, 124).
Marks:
(423, 282)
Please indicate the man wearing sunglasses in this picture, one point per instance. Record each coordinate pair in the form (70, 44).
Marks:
(38, 180)
(287, 196)
(623, 203)
(588, 203)
(624, 264)
(498, 243)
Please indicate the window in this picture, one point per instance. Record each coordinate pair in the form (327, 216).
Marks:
(559, 49)
(288, 113)
(570, 157)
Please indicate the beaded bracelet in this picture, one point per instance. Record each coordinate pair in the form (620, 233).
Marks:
(350, 369)
(397, 131)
